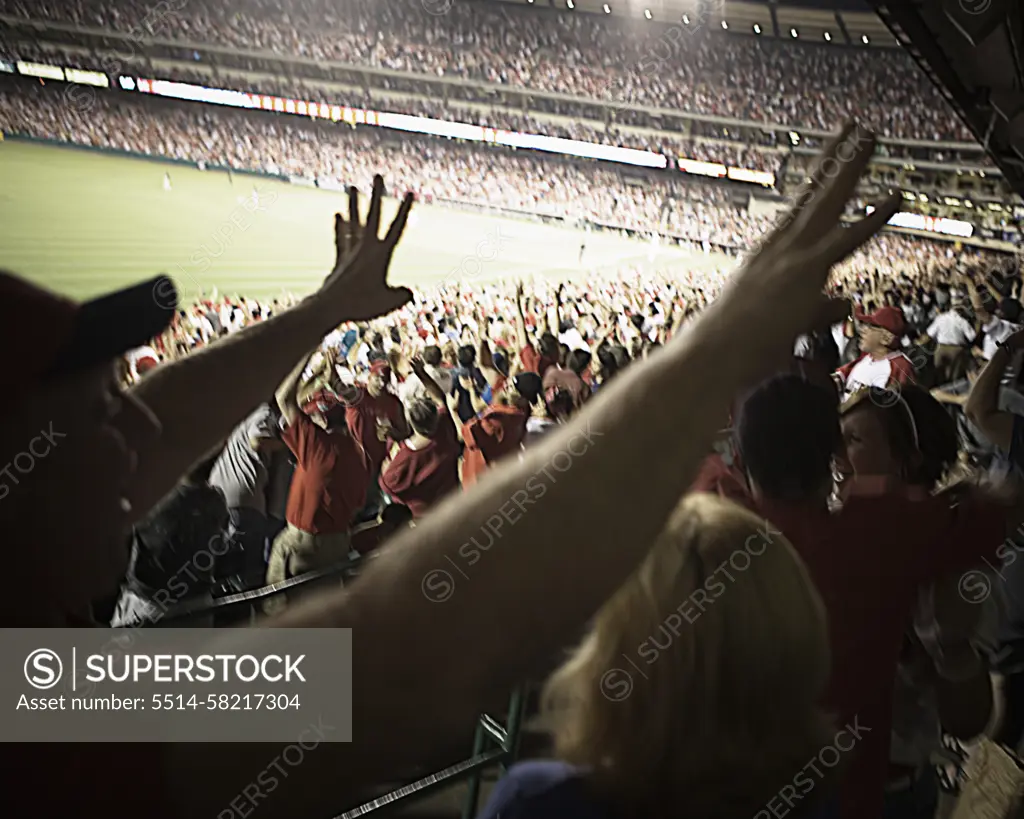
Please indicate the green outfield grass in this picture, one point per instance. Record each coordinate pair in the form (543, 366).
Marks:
(82, 223)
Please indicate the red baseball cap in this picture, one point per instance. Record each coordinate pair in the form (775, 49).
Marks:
(888, 318)
(43, 334)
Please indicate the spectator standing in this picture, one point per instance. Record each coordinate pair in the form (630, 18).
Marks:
(328, 487)
(242, 474)
(953, 334)
(880, 364)
(426, 466)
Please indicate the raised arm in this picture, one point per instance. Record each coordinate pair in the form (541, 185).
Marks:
(976, 302)
(287, 394)
(983, 403)
(426, 668)
(484, 355)
(244, 368)
(521, 338)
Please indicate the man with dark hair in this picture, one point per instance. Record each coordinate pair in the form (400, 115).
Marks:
(792, 414)
(789, 431)
(375, 416)
(242, 474)
(469, 383)
(501, 429)
(426, 467)
(328, 488)
(412, 388)
(567, 380)
(165, 571)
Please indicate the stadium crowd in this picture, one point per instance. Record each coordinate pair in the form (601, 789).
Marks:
(394, 425)
(787, 493)
(434, 169)
(794, 85)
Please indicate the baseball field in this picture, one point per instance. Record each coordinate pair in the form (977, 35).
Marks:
(83, 222)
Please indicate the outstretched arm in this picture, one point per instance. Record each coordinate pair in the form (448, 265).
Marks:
(983, 403)
(416, 683)
(521, 337)
(287, 394)
(246, 367)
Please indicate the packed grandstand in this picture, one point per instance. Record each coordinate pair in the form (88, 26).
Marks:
(370, 444)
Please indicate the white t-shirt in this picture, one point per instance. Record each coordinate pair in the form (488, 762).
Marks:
(952, 329)
(996, 332)
(869, 373)
(412, 388)
(573, 340)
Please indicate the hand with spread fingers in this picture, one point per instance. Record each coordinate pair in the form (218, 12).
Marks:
(359, 277)
(778, 293)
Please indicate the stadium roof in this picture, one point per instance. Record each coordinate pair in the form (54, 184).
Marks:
(974, 49)
(850, 22)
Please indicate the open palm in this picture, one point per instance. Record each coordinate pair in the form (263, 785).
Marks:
(359, 278)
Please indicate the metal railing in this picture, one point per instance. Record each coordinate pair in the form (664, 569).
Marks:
(495, 746)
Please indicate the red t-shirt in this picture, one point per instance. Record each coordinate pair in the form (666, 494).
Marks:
(497, 433)
(330, 480)
(868, 562)
(362, 422)
(421, 477)
(534, 361)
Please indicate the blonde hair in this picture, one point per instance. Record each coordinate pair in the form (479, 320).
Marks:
(726, 711)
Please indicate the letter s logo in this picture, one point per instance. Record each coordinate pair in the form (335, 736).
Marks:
(43, 668)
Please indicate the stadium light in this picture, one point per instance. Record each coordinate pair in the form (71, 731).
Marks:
(607, 9)
(828, 37)
(865, 39)
(793, 33)
(686, 19)
(570, 4)
(757, 28)
(647, 13)
(725, 25)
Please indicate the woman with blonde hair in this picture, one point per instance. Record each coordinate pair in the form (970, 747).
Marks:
(695, 693)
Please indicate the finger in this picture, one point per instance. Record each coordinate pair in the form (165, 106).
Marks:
(841, 241)
(823, 163)
(353, 212)
(851, 159)
(398, 225)
(373, 217)
(339, 236)
(822, 166)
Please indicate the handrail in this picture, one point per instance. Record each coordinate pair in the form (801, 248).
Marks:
(195, 610)
(430, 782)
